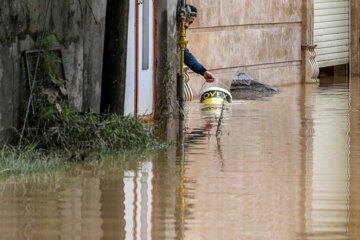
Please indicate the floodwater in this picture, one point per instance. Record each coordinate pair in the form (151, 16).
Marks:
(283, 168)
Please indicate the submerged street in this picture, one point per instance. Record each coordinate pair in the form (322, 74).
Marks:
(285, 167)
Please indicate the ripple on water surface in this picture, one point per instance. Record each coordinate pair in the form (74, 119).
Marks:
(284, 168)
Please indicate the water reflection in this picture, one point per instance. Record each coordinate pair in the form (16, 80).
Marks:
(284, 168)
(138, 202)
(331, 163)
(354, 135)
(246, 189)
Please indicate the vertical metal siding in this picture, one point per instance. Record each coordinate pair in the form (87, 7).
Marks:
(331, 32)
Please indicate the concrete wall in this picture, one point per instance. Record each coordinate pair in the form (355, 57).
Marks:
(261, 37)
(79, 28)
(167, 60)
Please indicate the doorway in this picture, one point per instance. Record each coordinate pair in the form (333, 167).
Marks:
(140, 90)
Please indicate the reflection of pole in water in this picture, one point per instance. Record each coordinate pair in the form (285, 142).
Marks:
(348, 159)
(218, 130)
(354, 135)
(180, 218)
(220, 152)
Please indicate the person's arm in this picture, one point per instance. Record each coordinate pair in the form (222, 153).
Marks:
(194, 65)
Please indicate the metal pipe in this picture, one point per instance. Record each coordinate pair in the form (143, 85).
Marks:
(182, 43)
(183, 3)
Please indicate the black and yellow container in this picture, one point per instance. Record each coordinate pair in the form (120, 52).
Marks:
(215, 95)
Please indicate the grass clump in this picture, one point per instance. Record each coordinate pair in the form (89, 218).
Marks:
(24, 161)
(72, 131)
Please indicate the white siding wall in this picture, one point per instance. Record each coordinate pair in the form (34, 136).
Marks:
(331, 32)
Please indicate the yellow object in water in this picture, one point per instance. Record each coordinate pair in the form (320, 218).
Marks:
(215, 95)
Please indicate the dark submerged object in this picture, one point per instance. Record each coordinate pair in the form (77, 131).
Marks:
(244, 86)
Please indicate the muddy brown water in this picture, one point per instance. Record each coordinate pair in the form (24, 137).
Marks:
(286, 168)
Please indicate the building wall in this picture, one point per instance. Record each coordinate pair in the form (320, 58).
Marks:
(79, 29)
(260, 37)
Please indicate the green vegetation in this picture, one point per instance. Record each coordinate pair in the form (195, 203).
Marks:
(56, 133)
(72, 131)
(24, 161)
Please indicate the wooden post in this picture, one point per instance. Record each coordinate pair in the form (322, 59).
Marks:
(355, 37)
(310, 68)
(115, 54)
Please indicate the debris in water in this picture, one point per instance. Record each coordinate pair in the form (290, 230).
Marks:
(244, 86)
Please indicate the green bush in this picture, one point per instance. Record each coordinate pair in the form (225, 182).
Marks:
(73, 131)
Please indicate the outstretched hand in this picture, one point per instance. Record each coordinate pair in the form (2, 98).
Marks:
(209, 77)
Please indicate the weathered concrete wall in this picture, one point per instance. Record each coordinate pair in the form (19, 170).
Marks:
(167, 58)
(261, 37)
(79, 28)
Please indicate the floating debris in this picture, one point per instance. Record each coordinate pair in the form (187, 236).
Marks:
(244, 86)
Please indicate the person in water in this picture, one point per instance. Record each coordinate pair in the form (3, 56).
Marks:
(189, 59)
